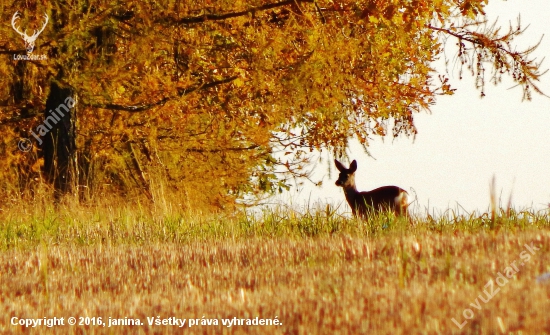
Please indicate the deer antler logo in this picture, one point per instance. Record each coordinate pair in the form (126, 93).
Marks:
(29, 40)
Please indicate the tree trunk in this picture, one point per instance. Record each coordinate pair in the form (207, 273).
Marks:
(59, 144)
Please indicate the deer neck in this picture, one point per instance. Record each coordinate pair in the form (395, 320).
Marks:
(351, 193)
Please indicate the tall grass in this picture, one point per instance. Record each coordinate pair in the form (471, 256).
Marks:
(316, 269)
(27, 225)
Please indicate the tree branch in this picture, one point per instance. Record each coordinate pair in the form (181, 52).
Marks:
(144, 107)
(525, 70)
(251, 147)
(229, 15)
(463, 36)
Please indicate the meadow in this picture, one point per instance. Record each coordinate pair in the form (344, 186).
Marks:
(123, 268)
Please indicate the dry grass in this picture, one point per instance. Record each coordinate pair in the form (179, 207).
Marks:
(317, 273)
(390, 285)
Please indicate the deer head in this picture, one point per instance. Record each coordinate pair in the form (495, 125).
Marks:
(29, 40)
(346, 178)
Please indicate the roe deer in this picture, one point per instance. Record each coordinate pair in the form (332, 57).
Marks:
(385, 198)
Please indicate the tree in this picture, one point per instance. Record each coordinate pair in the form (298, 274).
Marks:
(205, 95)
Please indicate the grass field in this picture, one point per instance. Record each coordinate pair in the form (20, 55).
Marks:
(305, 273)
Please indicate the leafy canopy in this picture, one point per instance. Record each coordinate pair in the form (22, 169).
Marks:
(225, 98)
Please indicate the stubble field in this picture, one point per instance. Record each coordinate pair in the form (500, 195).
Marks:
(303, 274)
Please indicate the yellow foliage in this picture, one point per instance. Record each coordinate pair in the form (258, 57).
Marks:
(204, 96)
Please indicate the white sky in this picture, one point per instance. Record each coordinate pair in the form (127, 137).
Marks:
(465, 141)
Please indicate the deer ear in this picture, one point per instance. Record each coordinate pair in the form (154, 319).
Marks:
(339, 166)
(353, 166)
